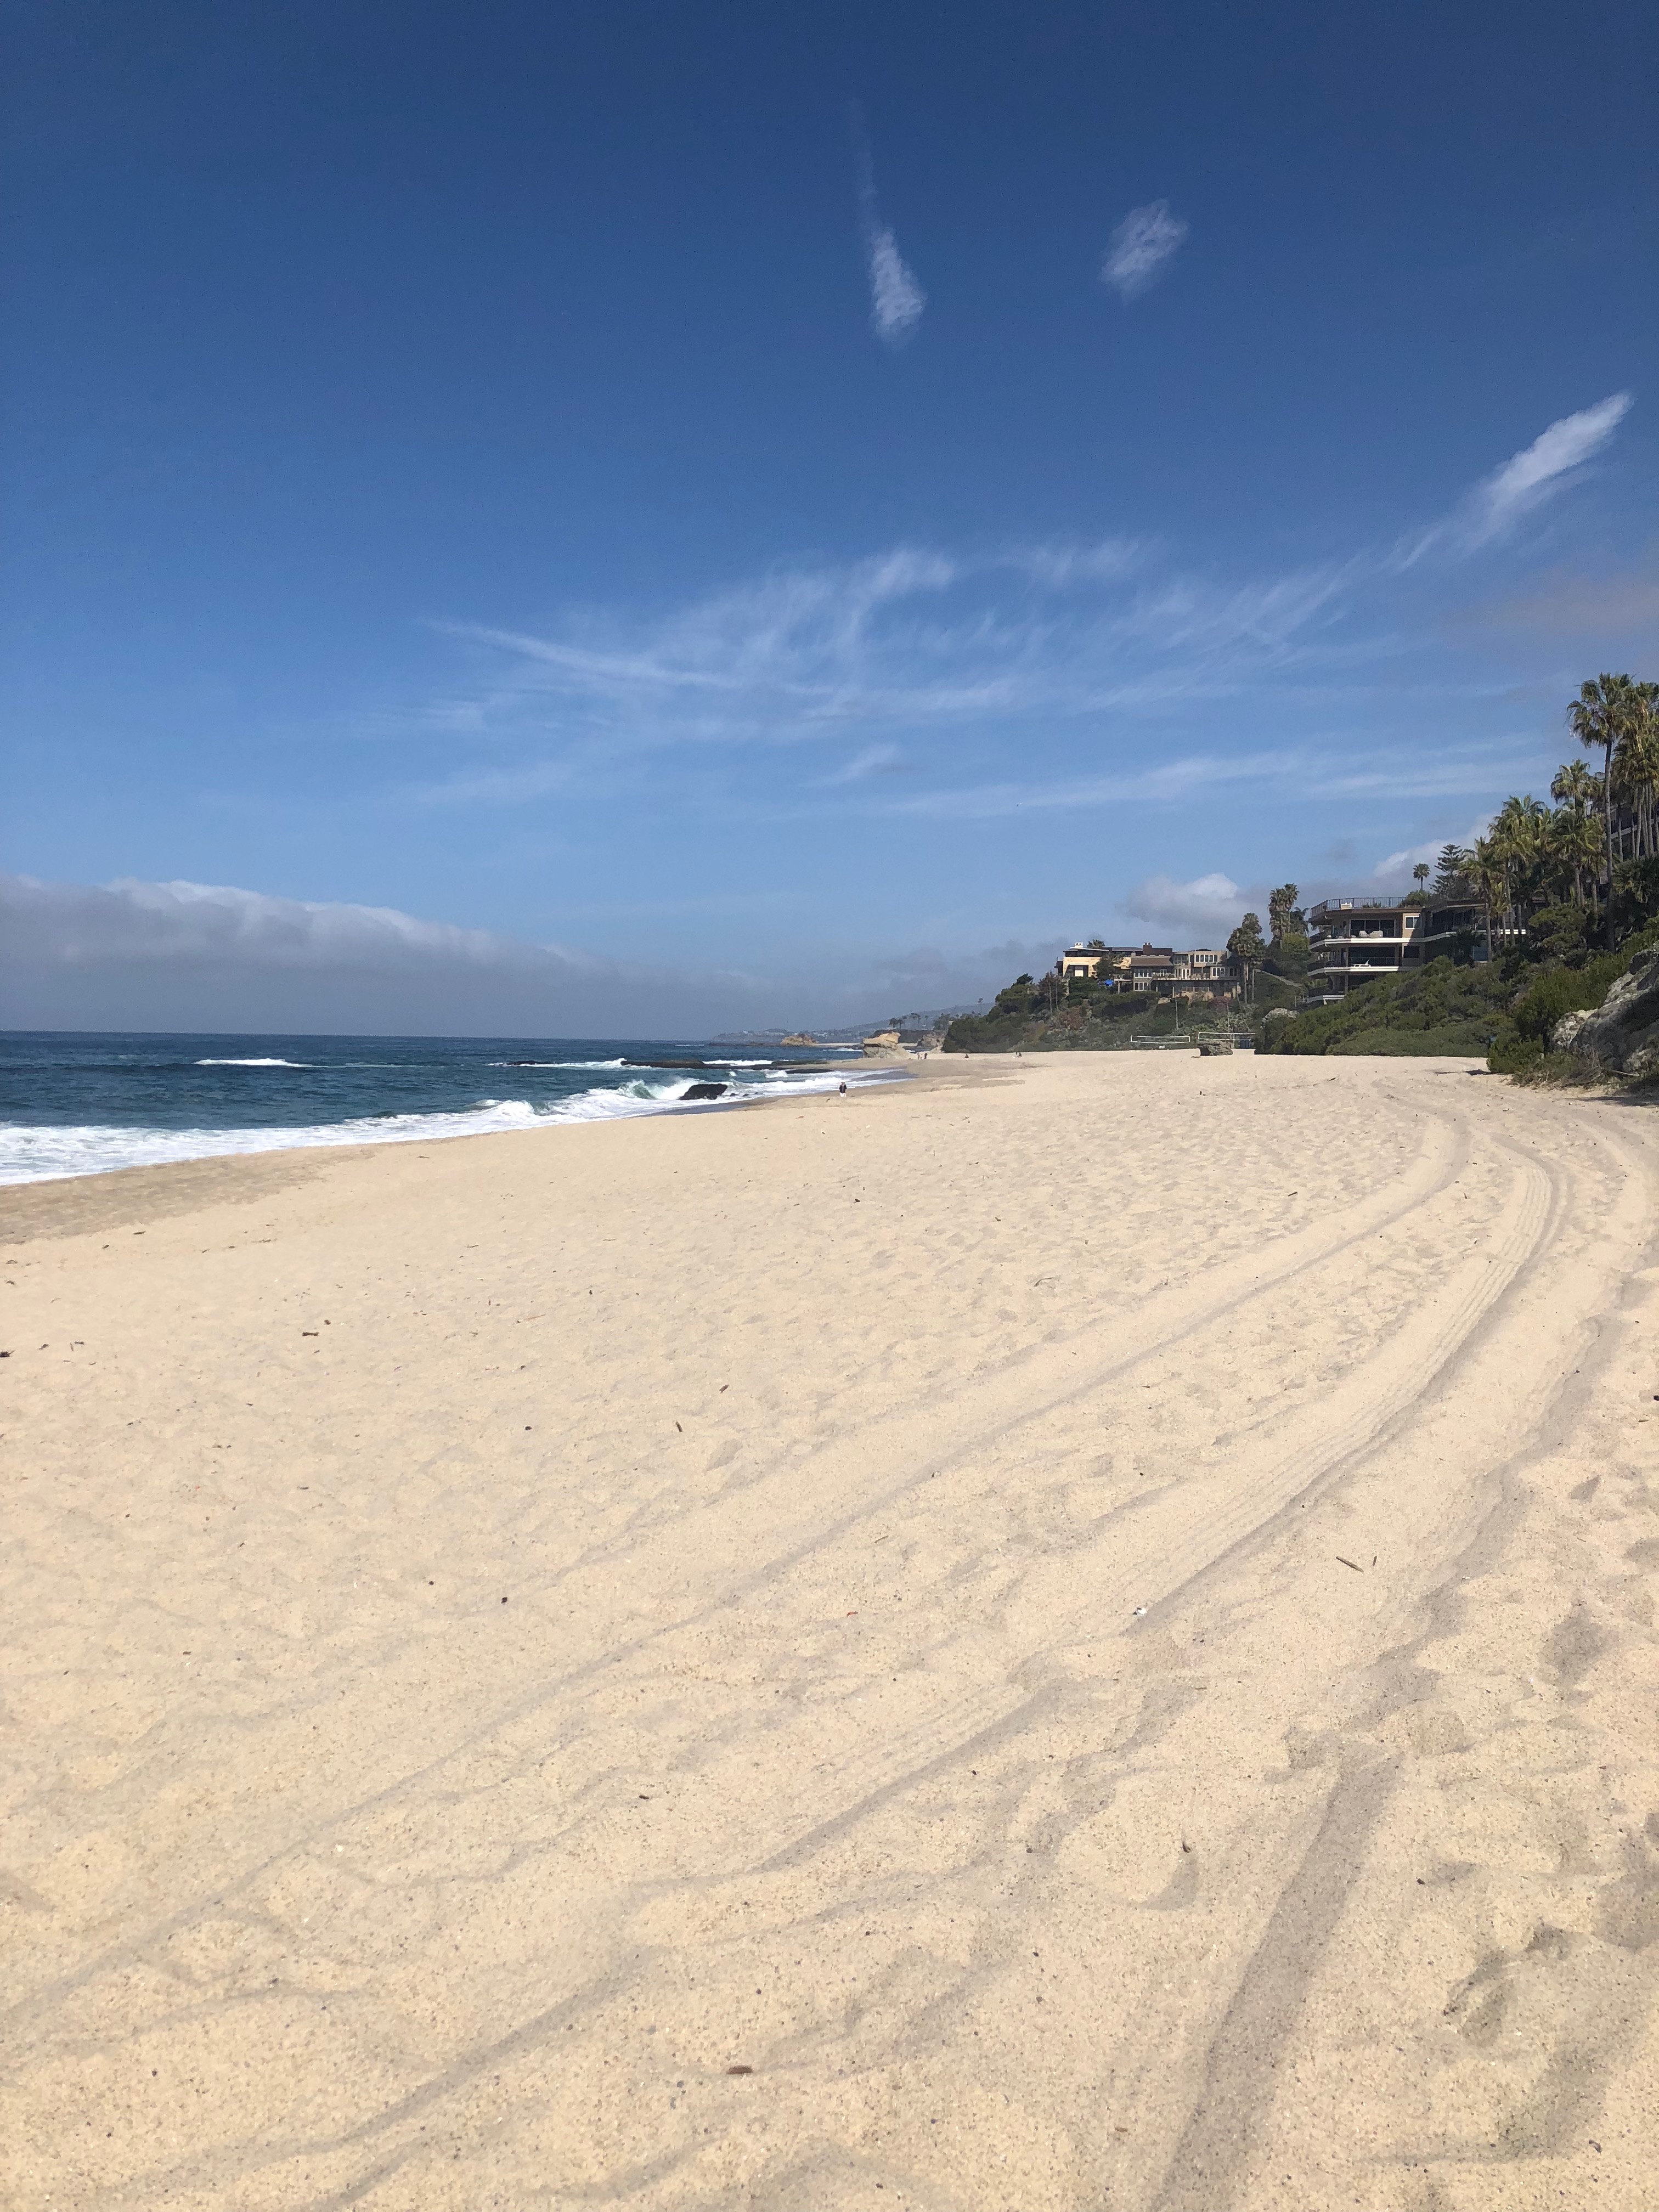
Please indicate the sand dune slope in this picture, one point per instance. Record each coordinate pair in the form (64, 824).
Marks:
(1079, 1634)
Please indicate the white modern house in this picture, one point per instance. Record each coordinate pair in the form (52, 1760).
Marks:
(1355, 941)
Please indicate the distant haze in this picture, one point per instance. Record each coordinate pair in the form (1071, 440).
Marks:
(132, 956)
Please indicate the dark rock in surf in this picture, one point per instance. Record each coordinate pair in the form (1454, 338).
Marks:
(705, 1091)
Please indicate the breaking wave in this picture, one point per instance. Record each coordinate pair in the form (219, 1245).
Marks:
(32, 1154)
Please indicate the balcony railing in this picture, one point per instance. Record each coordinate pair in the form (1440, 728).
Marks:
(1361, 937)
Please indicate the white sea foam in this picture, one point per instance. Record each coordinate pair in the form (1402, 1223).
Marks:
(253, 1063)
(709, 1059)
(37, 1155)
(42, 1155)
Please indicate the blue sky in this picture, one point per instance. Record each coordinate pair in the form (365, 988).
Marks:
(797, 508)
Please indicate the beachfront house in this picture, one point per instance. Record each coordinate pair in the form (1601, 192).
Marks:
(1160, 970)
(1457, 928)
(1156, 968)
(1354, 940)
(1107, 963)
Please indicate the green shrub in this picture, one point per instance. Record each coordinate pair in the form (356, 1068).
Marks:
(1514, 1054)
(1438, 1002)
(1562, 991)
(1452, 1041)
(1271, 991)
(1554, 1067)
(985, 1033)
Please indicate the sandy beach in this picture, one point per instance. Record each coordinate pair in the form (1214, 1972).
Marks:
(1073, 1633)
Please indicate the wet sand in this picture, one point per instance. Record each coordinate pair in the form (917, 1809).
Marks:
(1075, 1633)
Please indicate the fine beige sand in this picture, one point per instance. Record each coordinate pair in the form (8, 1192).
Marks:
(1078, 1633)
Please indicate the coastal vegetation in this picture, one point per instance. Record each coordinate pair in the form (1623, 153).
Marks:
(1443, 1008)
(1560, 900)
(1047, 1014)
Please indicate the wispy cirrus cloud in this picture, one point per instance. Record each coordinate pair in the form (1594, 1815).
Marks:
(1171, 780)
(871, 759)
(967, 665)
(1543, 467)
(890, 648)
(1426, 773)
(502, 787)
(1143, 244)
(896, 300)
(1554, 461)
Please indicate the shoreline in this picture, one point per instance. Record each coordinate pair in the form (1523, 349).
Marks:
(1086, 1636)
(307, 1143)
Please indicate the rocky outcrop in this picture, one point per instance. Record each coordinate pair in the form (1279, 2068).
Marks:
(1621, 1037)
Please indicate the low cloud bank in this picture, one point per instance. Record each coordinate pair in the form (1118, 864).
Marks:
(131, 955)
(130, 923)
(212, 957)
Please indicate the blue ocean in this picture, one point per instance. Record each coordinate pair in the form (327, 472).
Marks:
(73, 1103)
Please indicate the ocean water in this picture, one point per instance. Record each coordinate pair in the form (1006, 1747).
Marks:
(72, 1102)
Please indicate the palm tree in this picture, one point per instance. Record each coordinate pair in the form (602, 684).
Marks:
(1577, 791)
(1485, 869)
(1606, 709)
(1247, 946)
(1576, 785)
(1519, 840)
(1420, 876)
(1281, 911)
(1636, 762)
(1576, 843)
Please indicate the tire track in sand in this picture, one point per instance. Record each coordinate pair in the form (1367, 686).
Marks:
(784, 1517)
(1065, 1593)
(1152, 1554)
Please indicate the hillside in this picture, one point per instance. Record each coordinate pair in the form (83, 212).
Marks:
(1032, 1017)
(1504, 1011)
(1445, 1009)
